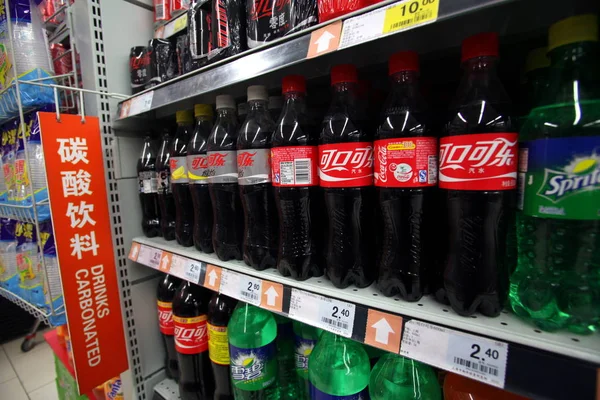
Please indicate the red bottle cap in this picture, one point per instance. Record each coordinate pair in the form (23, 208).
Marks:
(403, 61)
(343, 73)
(293, 83)
(482, 44)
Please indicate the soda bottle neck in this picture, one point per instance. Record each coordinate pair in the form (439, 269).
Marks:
(226, 113)
(202, 118)
(255, 106)
(345, 98)
(294, 101)
(406, 84)
(480, 69)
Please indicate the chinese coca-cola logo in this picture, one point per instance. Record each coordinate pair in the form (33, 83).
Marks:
(200, 162)
(346, 164)
(136, 63)
(382, 157)
(190, 335)
(216, 159)
(245, 159)
(265, 8)
(165, 317)
(191, 338)
(479, 162)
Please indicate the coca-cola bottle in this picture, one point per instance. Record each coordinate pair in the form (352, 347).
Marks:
(294, 160)
(254, 178)
(184, 209)
(190, 308)
(146, 170)
(478, 178)
(346, 176)
(223, 182)
(166, 202)
(165, 293)
(197, 164)
(405, 151)
(220, 309)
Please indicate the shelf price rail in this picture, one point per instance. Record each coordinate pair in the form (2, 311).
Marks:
(504, 351)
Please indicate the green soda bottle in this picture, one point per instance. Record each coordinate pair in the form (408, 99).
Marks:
(535, 85)
(305, 339)
(338, 369)
(374, 354)
(285, 358)
(253, 353)
(557, 280)
(397, 377)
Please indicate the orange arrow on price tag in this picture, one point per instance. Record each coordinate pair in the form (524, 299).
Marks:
(134, 251)
(165, 262)
(383, 331)
(212, 278)
(324, 40)
(272, 296)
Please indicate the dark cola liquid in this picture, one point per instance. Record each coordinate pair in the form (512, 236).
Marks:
(165, 293)
(147, 180)
(166, 202)
(407, 215)
(220, 309)
(184, 208)
(479, 246)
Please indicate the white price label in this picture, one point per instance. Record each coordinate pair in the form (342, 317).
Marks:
(149, 256)
(192, 271)
(362, 28)
(469, 355)
(178, 264)
(329, 314)
(137, 105)
(242, 287)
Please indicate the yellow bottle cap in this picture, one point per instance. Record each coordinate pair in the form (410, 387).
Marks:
(580, 28)
(184, 116)
(537, 58)
(203, 110)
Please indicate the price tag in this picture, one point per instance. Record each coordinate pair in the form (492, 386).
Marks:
(397, 17)
(137, 105)
(410, 13)
(180, 23)
(178, 264)
(329, 314)
(192, 270)
(149, 256)
(469, 355)
(242, 287)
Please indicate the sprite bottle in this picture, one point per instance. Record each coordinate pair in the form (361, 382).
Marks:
(338, 369)
(397, 377)
(253, 353)
(305, 339)
(285, 358)
(557, 280)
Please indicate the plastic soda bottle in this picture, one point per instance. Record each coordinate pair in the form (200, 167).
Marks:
(305, 339)
(338, 369)
(457, 387)
(146, 170)
(167, 286)
(286, 360)
(556, 282)
(253, 353)
(397, 377)
(220, 309)
(166, 203)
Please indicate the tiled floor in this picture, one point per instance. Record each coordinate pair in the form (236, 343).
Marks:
(27, 376)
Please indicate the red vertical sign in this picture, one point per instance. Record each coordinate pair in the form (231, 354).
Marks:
(79, 205)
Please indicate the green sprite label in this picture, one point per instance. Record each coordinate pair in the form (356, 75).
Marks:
(253, 369)
(560, 178)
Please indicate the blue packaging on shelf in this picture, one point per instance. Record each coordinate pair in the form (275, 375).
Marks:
(28, 259)
(9, 277)
(9, 151)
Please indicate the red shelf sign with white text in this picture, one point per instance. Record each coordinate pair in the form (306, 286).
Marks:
(79, 205)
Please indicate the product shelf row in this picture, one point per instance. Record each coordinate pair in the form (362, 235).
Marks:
(530, 362)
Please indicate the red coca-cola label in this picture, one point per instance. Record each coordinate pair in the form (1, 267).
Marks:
(484, 161)
(191, 336)
(165, 318)
(346, 164)
(406, 162)
(294, 166)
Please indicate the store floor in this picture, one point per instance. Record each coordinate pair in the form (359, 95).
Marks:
(27, 376)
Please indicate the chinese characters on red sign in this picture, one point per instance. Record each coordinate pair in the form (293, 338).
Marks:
(79, 205)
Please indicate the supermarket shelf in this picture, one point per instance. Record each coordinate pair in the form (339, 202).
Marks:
(173, 26)
(166, 390)
(537, 364)
(277, 55)
(25, 305)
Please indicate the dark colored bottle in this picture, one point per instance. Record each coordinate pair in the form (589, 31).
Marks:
(478, 178)
(254, 178)
(164, 295)
(220, 309)
(296, 184)
(223, 184)
(148, 183)
(405, 178)
(166, 202)
(197, 166)
(346, 176)
(190, 309)
(184, 208)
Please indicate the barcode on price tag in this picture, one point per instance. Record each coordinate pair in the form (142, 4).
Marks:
(241, 287)
(149, 256)
(329, 314)
(475, 357)
(192, 271)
